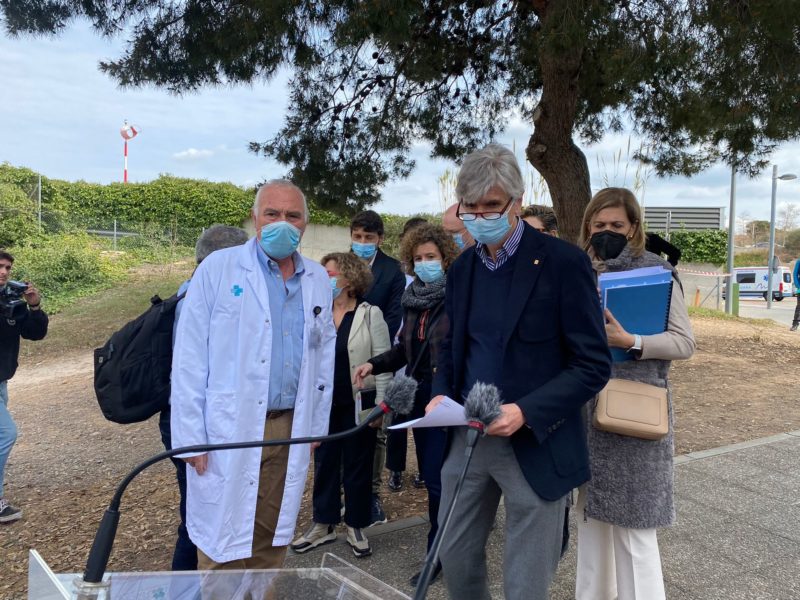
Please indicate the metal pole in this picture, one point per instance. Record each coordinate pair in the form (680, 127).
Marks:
(669, 224)
(771, 259)
(731, 235)
(40, 203)
(115, 234)
(125, 171)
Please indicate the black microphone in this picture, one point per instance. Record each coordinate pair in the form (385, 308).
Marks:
(398, 398)
(481, 407)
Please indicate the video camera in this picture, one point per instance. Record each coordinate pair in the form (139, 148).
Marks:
(12, 303)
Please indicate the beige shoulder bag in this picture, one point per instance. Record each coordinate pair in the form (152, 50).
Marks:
(633, 409)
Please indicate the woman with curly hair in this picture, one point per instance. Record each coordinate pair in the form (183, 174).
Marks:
(428, 251)
(361, 332)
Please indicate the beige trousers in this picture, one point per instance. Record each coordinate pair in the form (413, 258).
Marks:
(268, 506)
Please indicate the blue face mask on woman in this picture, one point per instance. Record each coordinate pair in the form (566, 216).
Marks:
(365, 251)
(488, 231)
(429, 271)
(335, 290)
(279, 239)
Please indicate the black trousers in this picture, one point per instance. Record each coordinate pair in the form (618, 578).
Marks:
(347, 463)
(797, 311)
(431, 443)
(184, 558)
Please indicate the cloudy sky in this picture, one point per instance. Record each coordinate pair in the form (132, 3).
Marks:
(60, 116)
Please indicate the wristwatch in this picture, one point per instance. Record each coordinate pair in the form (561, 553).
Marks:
(637, 344)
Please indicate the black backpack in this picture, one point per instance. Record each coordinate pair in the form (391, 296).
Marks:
(132, 369)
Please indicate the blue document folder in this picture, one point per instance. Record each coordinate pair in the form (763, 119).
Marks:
(639, 300)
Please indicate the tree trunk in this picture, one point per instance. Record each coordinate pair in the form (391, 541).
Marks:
(550, 149)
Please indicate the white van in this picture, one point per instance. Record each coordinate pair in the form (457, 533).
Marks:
(753, 282)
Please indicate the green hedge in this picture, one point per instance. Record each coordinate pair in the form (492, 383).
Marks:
(167, 201)
(18, 220)
(66, 266)
(707, 246)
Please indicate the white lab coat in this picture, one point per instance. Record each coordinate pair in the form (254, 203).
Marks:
(220, 391)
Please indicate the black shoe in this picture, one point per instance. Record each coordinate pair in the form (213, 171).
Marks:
(8, 513)
(377, 515)
(793, 327)
(396, 481)
(414, 581)
(418, 482)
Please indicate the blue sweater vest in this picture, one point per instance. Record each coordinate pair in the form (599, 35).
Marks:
(486, 322)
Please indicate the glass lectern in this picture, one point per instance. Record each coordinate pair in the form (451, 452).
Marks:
(334, 579)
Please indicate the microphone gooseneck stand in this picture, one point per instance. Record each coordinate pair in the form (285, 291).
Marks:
(104, 538)
(474, 432)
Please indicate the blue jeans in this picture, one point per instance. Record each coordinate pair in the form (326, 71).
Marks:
(8, 432)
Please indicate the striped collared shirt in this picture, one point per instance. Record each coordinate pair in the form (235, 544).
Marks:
(506, 250)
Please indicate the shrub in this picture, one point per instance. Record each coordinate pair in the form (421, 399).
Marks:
(66, 266)
(18, 220)
(706, 246)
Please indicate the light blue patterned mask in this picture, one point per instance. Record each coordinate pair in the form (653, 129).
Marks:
(279, 239)
(365, 251)
(429, 270)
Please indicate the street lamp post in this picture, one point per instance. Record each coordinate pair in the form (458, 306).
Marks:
(771, 261)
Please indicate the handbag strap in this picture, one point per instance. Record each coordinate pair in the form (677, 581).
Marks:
(426, 341)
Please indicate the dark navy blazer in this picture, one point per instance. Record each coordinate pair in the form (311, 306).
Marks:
(388, 285)
(556, 355)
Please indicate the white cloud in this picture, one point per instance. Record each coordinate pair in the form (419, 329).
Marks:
(193, 154)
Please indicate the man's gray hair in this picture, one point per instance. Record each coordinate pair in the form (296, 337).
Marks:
(218, 237)
(281, 183)
(492, 165)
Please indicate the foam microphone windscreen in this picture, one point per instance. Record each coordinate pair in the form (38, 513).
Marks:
(482, 403)
(399, 396)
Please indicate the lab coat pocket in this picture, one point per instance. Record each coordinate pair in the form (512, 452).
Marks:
(221, 415)
(208, 486)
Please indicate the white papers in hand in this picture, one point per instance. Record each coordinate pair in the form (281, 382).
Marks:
(447, 413)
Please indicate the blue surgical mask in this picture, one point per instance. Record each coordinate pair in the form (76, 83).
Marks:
(488, 232)
(458, 238)
(429, 270)
(335, 290)
(279, 239)
(365, 251)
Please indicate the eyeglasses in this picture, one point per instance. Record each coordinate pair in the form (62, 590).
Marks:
(489, 216)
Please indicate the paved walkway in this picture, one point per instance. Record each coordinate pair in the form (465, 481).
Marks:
(737, 537)
(781, 312)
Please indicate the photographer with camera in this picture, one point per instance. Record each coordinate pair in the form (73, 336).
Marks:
(20, 316)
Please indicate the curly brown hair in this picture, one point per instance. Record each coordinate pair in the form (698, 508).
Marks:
(422, 234)
(352, 268)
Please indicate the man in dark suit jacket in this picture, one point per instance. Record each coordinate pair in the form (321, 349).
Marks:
(388, 285)
(525, 317)
(388, 281)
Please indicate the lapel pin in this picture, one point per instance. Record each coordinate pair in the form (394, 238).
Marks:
(536, 261)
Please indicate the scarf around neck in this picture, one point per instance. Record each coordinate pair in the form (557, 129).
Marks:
(422, 296)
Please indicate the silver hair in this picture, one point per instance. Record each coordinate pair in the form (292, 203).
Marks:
(281, 183)
(492, 165)
(218, 237)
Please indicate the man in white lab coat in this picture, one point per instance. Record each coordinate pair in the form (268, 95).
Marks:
(253, 359)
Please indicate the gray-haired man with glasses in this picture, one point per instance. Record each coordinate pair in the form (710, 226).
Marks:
(524, 317)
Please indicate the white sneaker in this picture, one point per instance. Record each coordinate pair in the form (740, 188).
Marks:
(358, 542)
(318, 534)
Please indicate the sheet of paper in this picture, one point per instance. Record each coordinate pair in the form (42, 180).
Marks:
(447, 413)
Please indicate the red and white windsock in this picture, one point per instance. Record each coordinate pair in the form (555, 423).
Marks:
(128, 132)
